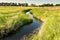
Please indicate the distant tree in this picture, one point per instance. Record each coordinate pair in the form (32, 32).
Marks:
(57, 4)
(5, 4)
(0, 4)
(13, 4)
(19, 4)
(24, 4)
(51, 4)
(40, 5)
(33, 5)
(47, 4)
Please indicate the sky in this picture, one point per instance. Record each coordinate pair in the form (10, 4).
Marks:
(33, 1)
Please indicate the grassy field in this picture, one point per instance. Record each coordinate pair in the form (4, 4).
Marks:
(12, 18)
(50, 29)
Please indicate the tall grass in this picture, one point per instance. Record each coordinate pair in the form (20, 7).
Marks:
(50, 30)
(12, 18)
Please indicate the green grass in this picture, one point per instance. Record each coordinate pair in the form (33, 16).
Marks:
(12, 18)
(50, 29)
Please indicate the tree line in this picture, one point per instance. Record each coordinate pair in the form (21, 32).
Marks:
(13, 4)
(45, 5)
(26, 4)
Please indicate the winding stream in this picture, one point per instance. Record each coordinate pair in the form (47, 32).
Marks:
(26, 29)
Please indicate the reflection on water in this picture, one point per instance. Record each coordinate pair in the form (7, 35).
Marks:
(31, 16)
(26, 29)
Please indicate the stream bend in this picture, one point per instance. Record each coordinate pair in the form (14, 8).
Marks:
(25, 30)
